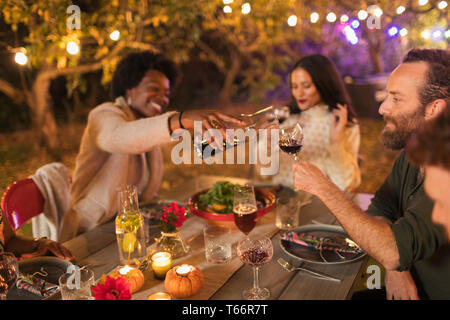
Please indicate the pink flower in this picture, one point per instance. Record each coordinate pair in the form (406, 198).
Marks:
(112, 289)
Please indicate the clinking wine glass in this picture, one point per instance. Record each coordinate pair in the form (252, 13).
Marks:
(244, 208)
(255, 251)
(291, 140)
(9, 271)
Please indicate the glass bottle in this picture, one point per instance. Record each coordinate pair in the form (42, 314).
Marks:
(130, 230)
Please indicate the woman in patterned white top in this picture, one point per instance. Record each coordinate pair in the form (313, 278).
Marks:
(26, 247)
(322, 106)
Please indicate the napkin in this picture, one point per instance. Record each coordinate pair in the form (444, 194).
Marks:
(319, 243)
(39, 287)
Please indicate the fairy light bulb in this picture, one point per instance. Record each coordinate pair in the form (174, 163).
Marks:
(227, 9)
(426, 34)
(331, 17)
(246, 8)
(72, 48)
(442, 5)
(362, 15)
(423, 2)
(314, 17)
(401, 9)
(292, 20)
(21, 58)
(403, 32)
(114, 35)
(344, 18)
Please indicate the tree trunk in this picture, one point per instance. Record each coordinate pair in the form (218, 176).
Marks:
(225, 92)
(375, 39)
(44, 121)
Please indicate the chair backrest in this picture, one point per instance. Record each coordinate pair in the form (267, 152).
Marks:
(21, 202)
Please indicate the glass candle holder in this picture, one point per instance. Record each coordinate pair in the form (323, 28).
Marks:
(159, 296)
(161, 263)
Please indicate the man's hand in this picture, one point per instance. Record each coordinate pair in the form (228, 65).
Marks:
(400, 286)
(309, 178)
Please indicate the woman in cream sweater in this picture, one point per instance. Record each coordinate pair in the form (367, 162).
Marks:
(321, 105)
(122, 139)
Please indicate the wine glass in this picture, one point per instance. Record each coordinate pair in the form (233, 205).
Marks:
(9, 270)
(244, 208)
(255, 251)
(291, 140)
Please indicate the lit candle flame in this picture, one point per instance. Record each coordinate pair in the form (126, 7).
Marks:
(184, 269)
(124, 271)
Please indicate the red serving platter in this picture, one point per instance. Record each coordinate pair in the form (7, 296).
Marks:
(264, 196)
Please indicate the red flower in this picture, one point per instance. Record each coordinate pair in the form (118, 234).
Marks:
(112, 289)
(173, 217)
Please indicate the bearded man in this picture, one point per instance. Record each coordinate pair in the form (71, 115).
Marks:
(397, 229)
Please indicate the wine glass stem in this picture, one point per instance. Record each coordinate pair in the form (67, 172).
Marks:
(255, 278)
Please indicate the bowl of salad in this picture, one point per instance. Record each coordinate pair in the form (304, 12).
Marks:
(216, 203)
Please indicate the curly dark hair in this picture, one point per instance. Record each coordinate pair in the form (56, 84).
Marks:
(430, 144)
(327, 80)
(437, 85)
(134, 66)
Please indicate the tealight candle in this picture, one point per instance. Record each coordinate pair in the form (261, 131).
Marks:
(159, 296)
(184, 269)
(124, 271)
(161, 263)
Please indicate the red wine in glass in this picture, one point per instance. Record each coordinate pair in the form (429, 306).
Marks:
(255, 256)
(290, 146)
(245, 217)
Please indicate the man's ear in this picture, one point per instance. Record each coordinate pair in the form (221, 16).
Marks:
(434, 108)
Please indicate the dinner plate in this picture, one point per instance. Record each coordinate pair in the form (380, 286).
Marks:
(264, 197)
(54, 266)
(312, 255)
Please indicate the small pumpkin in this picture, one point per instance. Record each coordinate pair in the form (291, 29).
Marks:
(133, 276)
(183, 281)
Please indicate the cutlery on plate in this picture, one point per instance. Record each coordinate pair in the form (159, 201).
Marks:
(289, 267)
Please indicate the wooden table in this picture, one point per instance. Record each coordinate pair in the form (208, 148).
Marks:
(98, 250)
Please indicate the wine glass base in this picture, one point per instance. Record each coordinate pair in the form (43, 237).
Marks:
(256, 294)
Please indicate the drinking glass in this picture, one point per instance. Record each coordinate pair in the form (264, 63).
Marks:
(77, 286)
(217, 244)
(291, 140)
(9, 271)
(244, 208)
(255, 251)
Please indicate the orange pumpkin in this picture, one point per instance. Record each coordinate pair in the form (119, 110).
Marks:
(133, 276)
(183, 281)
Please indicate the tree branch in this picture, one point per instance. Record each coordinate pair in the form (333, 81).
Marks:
(15, 94)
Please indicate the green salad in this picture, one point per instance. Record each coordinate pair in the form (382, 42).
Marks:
(219, 198)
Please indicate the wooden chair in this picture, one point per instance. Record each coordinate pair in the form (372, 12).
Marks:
(21, 202)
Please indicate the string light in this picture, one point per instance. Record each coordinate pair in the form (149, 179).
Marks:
(227, 9)
(437, 34)
(423, 2)
(72, 47)
(426, 34)
(314, 17)
(331, 17)
(401, 9)
(403, 32)
(375, 10)
(21, 58)
(228, 1)
(447, 34)
(351, 35)
(442, 5)
(344, 18)
(355, 24)
(362, 15)
(114, 35)
(246, 8)
(292, 20)
(392, 31)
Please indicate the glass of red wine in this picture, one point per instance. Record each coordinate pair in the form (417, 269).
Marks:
(9, 271)
(244, 208)
(255, 251)
(291, 140)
